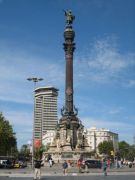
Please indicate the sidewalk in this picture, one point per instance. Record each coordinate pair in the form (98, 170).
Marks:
(56, 170)
(73, 174)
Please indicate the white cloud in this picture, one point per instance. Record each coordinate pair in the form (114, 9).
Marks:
(116, 110)
(129, 83)
(103, 62)
(19, 118)
(106, 123)
(16, 66)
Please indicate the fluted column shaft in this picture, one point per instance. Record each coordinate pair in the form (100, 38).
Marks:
(69, 47)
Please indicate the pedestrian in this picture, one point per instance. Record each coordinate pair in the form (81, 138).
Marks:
(79, 164)
(116, 163)
(104, 166)
(37, 169)
(69, 163)
(83, 164)
(50, 162)
(65, 167)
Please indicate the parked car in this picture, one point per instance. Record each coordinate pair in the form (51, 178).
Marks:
(20, 164)
(23, 164)
(6, 164)
(1, 166)
(93, 163)
(16, 165)
(2, 162)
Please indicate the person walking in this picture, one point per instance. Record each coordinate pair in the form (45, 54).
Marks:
(50, 162)
(104, 166)
(37, 169)
(80, 164)
(65, 167)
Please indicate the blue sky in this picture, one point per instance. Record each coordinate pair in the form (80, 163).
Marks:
(31, 45)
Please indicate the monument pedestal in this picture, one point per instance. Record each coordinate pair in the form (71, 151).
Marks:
(68, 155)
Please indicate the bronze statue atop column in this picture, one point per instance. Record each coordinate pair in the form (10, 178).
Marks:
(69, 17)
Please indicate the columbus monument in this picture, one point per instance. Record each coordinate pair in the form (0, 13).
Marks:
(69, 140)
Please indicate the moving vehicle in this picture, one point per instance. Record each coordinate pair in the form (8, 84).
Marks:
(93, 163)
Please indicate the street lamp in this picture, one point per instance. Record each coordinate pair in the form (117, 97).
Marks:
(34, 80)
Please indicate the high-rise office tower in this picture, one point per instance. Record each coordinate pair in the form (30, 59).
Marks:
(45, 111)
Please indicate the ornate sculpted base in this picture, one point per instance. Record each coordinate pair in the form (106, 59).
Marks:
(70, 141)
(67, 155)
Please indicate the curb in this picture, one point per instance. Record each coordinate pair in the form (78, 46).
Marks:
(70, 174)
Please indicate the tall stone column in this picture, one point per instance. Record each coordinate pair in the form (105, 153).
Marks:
(69, 47)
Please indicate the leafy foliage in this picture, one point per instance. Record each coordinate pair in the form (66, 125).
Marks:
(8, 144)
(24, 151)
(126, 151)
(105, 147)
(123, 149)
(131, 153)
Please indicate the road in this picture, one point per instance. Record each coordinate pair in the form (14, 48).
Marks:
(111, 177)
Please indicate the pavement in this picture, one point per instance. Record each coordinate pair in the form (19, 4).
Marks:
(56, 170)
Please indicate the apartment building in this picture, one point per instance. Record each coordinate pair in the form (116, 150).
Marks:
(96, 136)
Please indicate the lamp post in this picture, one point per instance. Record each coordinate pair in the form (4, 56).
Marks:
(34, 80)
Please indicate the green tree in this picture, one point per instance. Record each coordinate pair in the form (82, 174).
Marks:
(131, 153)
(126, 151)
(8, 144)
(106, 147)
(24, 151)
(123, 149)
